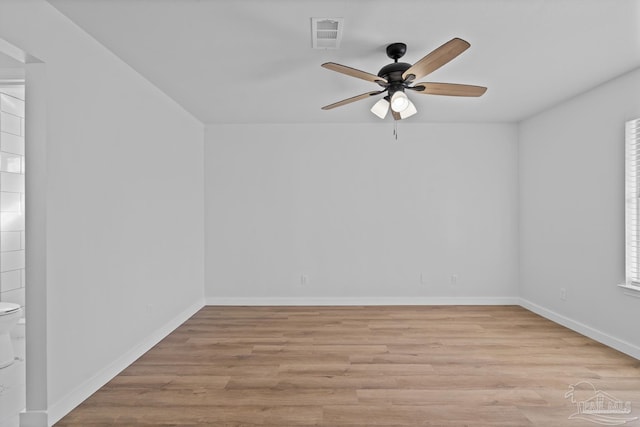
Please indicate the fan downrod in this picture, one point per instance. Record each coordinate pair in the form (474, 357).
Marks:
(396, 51)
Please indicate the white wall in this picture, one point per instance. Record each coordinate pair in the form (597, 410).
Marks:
(124, 203)
(572, 212)
(361, 214)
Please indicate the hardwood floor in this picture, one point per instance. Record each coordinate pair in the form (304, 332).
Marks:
(363, 366)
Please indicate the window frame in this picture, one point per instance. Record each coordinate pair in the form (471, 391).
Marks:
(631, 284)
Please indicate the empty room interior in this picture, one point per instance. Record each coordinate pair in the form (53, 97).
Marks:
(332, 213)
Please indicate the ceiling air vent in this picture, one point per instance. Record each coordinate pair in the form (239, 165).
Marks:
(326, 33)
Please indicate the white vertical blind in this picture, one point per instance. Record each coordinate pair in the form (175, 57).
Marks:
(632, 193)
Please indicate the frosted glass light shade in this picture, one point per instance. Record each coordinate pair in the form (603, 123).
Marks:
(409, 111)
(399, 101)
(380, 108)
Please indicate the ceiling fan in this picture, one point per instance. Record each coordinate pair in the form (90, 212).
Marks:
(397, 77)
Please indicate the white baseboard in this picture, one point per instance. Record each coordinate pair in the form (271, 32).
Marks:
(595, 334)
(346, 301)
(63, 406)
(606, 339)
(77, 396)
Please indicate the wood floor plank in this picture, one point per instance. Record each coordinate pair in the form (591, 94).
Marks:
(361, 366)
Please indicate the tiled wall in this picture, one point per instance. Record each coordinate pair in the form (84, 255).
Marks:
(12, 254)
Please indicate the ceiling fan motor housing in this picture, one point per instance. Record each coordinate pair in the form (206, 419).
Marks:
(392, 73)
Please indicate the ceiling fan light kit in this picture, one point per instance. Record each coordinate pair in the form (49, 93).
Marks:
(381, 108)
(398, 77)
(399, 101)
(409, 111)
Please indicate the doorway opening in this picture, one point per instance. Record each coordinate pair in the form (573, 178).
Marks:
(12, 248)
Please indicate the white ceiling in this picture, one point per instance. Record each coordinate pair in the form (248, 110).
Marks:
(251, 61)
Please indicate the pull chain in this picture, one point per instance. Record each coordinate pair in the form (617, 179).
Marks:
(395, 129)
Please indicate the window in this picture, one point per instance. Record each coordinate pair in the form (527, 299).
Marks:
(632, 213)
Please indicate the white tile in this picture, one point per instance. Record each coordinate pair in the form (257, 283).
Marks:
(15, 296)
(10, 123)
(10, 241)
(10, 280)
(10, 221)
(10, 202)
(12, 143)
(23, 280)
(11, 260)
(10, 162)
(14, 91)
(23, 239)
(12, 105)
(12, 182)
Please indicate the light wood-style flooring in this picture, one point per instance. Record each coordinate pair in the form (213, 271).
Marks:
(363, 366)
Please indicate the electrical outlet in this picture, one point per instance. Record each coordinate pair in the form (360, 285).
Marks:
(454, 279)
(563, 294)
(423, 278)
(304, 279)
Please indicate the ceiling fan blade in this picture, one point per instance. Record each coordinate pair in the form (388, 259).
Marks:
(352, 99)
(436, 59)
(448, 89)
(354, 73)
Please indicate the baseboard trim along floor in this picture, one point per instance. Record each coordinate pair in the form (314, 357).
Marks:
(586, 330)
(362, 366)
(358, 301)
(65, 405)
